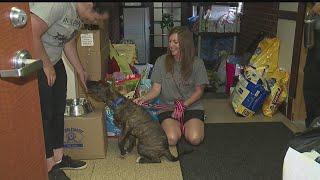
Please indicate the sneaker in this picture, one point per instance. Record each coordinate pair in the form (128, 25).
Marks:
(57, 174)
(68, 163)
(315, 123)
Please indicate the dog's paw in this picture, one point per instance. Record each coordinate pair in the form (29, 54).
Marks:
(122, 156)
(138, 159)
(125, 152)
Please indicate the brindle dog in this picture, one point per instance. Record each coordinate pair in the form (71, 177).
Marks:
(134, 122)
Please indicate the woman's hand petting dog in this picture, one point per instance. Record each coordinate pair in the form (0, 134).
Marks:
(140, 100)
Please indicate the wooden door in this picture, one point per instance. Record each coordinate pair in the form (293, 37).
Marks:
(21, 136)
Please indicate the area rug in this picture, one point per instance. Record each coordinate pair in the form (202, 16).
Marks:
(237, 151)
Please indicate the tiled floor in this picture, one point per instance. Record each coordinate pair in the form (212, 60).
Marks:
(220, 111)
(115, 168)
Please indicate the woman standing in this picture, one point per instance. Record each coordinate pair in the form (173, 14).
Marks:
(311, 89)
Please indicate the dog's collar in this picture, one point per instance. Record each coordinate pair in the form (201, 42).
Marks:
(116, 102)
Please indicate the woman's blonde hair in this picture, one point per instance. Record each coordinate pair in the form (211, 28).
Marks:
(187, 51)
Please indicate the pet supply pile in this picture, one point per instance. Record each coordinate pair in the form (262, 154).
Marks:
(263, 85)
(266, 56)
(129, 85)
(112, 129)
(119, 60)
(249, 93)
(278, 86)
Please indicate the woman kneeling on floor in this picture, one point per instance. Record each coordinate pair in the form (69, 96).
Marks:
(179, 77)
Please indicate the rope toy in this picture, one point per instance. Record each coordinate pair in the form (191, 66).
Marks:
(178, 113)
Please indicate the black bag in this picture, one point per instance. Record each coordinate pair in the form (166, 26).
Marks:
(306, 141)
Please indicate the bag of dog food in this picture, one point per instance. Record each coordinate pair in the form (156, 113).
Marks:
(112, 129)
(266, 55)
(128, 51)
(278, 87)
(249, 94)
(121, 61)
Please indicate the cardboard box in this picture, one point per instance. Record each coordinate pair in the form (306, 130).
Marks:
(85, 137)
(93, 51)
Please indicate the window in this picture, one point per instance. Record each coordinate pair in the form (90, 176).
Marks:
(159, 8)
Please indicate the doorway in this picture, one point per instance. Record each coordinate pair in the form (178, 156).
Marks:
(136, 23)
(159, 36)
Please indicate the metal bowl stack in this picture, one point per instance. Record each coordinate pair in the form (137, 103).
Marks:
(78, 107)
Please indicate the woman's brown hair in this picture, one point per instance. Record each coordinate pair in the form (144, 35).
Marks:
(187, 51)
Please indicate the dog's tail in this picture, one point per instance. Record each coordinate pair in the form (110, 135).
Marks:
(173, 158)
(183, 148)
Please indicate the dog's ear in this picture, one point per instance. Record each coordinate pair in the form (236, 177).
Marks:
(110, 81)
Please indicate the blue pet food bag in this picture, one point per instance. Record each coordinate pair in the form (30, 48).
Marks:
(112, 129)
(248, 97)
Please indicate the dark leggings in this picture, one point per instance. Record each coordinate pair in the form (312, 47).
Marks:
(53, 102)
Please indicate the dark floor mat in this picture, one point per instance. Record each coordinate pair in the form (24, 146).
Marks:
(237, 151)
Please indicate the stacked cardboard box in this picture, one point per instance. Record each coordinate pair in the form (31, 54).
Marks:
(93, 51)
(85, 137)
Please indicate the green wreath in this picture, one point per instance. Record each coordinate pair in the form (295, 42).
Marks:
(167, 21)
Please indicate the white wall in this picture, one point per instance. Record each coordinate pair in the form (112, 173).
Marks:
(72, 79)
(286, 33)
(288, 6)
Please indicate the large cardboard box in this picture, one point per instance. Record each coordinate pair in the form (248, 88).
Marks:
(93, 51)
(85, 137)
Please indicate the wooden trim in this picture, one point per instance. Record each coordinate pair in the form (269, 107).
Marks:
(161, 21)
(289, 114)
(133, 6)
(231, 4)
(296, 56)
(298, 104)
(115, 30)
(289, 15)
(217, 34)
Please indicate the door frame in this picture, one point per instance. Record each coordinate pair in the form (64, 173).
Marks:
(296, 55)
(155, 52)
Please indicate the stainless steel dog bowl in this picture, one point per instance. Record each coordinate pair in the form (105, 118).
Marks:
(78, 107)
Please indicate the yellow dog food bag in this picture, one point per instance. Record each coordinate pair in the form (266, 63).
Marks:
(249, 93)
(266, 56)
(278, 86)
